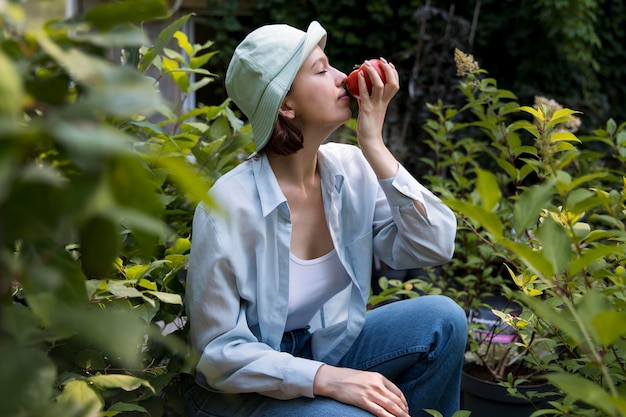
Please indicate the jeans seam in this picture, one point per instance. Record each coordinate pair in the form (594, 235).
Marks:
(393, 355)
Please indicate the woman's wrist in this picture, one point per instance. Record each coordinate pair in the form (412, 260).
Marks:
(319, 383)
(380, 159)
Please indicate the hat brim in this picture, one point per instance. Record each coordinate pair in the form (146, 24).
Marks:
(267, 112)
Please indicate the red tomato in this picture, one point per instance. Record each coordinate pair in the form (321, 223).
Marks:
(352, 82)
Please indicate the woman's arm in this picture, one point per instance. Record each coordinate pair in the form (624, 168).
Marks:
(372, 110)
(413, 228)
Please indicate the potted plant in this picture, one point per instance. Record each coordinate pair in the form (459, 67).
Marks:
(550, 207)
(541, 223)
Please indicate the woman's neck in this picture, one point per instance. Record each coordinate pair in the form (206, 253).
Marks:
(296, 170)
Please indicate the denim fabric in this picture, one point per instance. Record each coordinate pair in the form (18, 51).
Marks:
(417, 343)
(298, 343)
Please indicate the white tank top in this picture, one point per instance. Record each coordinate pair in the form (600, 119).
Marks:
(311, 284)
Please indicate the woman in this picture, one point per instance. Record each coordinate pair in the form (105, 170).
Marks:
(278, 281)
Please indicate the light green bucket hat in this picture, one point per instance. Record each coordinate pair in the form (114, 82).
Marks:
(262, 70)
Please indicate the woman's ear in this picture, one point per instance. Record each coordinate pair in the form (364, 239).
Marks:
(286, 111)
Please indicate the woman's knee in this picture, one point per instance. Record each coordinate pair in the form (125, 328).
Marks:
(444, 313)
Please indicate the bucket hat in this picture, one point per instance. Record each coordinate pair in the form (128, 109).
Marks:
(263, 68)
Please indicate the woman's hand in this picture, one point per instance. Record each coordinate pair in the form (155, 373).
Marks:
(372, 110)
(369, 391)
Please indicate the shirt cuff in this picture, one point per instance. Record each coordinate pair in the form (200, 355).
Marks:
(402, 187)
(299, 375)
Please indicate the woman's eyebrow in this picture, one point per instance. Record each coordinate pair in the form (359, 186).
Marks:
(322, 59)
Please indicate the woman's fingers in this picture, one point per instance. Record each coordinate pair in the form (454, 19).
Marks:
(390, 406)
(370, 391)
(388, 88)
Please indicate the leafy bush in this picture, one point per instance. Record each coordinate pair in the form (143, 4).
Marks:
(98, 181)
(542, 211)
(556, 213)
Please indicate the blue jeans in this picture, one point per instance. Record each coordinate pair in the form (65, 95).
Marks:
(417, 343)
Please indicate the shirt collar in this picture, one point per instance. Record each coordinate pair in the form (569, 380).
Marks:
(270, 194)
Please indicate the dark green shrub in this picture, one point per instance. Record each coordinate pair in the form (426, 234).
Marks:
(98, 181)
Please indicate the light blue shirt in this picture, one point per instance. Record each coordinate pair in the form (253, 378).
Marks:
(238, 275)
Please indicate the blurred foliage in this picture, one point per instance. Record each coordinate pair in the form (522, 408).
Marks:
(40, 11)
(99, 177)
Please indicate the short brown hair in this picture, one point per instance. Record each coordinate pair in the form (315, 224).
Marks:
(287, 137)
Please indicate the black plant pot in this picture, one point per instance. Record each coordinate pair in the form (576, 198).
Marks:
(488, 399)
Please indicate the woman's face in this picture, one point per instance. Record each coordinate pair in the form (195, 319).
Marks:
(317, 96)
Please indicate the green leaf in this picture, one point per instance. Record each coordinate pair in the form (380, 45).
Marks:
(529, 205)
(564, 136)
(78, 395)
(200, 60)
(125, 96)
(125, 382)
(11, 88)
(556, 245)
(111, 89)
(592, 255)
(488, 189)
(592, 303)
(120, 289)
(90, 138)
(100, 242)
(534, 112)
(186, 177)
(560, 116)
(138, 220)
(177, 74)
(180, 247)
(533, 259)
(610, 326)
(149, 285)
(90, 359)
(167, 297)
(59, 278)
(124, 407)
(8, 166)
(482, 217)
(164, 37)
(199, 84)
(117, 333)
(122, 36)
(581, 200)
(508, 167)
(107, 15)
(584, 390)
(27, 378)
(561, 319)
(183, 42)
(136, 271)
(130, 185)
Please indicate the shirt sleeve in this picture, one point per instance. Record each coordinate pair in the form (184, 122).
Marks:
(232, 359)
(403, 237)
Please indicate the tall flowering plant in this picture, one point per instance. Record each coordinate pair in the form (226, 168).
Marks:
(549, 207)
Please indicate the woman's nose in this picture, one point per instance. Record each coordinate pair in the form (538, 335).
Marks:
(341, 77)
